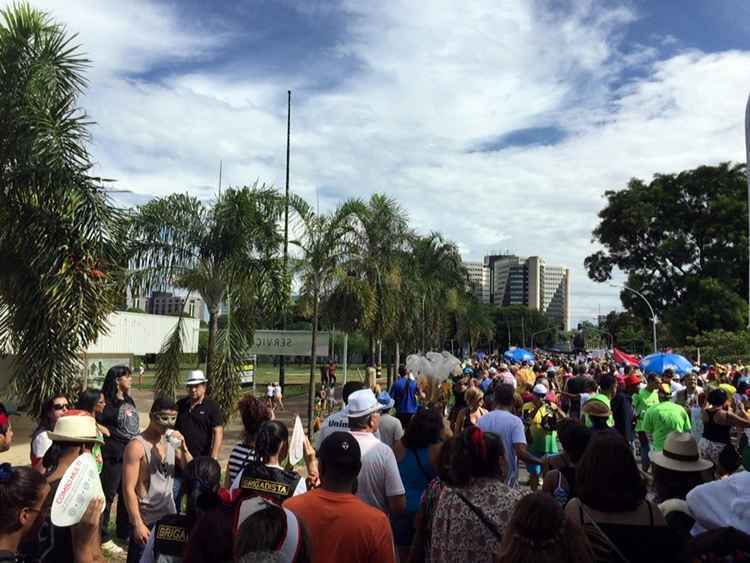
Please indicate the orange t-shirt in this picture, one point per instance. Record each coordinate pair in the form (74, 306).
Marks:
(342, 528)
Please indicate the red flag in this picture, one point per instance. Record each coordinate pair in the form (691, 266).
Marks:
(623, 358)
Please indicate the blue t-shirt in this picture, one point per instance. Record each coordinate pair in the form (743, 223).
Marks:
(416, 474)
(404, 393)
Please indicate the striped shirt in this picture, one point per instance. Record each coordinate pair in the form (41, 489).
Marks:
(241, 455)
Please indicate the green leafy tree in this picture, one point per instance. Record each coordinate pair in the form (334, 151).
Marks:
(60, 237)
(325, 241)
(477, 322)
(515, 324)
(381, 234)
(682, 241)
(719, 346)
(227, 252)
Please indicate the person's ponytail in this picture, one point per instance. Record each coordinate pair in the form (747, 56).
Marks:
(271, 436)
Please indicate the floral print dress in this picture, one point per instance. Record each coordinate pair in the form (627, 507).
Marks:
(458, 534)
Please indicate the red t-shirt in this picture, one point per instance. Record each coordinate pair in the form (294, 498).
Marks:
(342, 528)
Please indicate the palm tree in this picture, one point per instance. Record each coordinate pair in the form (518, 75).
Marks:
(229, 253)
(441, 280)
(325, 241)
(59, 234)
(477, 321)
(380, 238)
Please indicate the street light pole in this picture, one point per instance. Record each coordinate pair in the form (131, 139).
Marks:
(540, 332)
(650, 308)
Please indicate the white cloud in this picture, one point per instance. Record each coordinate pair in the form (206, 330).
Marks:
(434, 80)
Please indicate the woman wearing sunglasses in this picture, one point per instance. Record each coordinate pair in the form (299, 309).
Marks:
(52, 409)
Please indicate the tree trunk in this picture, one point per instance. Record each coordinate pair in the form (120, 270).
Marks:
(371, 359)
(213, 330)
(313, 357)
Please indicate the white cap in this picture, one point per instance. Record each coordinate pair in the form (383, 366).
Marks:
(195, 377)
(361, 403)
(539, 389)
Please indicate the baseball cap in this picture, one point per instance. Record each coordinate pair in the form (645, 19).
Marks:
(340, 449)
(539, 389)
(362, 402)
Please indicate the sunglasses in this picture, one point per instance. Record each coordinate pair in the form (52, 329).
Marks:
(60, 406)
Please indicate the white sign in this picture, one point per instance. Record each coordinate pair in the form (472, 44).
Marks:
(79, 484)
(288, 343)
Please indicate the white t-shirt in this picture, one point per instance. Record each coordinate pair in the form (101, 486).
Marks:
(40, 445)
(269, 391)
(379, 477)
(510, 429)
(337, 422)
(721, 503)
(277, 391)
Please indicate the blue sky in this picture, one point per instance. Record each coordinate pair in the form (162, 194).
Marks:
(499, 123)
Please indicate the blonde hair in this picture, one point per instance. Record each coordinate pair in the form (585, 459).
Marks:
(473, 395)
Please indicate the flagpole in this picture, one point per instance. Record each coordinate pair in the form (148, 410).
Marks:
(282, 370)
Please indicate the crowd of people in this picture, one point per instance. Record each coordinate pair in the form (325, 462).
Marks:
(557, 460)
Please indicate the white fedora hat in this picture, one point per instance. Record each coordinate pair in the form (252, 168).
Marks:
(362, 403)
(680, 453)
(196, 377)
(75, 426)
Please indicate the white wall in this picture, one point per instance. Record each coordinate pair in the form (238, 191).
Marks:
(139, 333)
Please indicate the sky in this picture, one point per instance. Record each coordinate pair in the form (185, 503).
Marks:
(499, 123)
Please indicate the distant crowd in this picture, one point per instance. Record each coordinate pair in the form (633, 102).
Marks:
(555, 460)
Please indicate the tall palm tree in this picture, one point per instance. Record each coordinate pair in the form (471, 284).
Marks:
(227, 252)
(476, 321)
(441, 280)
(60, 258)
(325, 241)
(380, 238)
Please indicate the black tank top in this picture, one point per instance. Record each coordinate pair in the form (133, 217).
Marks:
(270, 482)
(716, 432)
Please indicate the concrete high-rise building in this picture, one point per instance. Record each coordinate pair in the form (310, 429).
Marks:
(479, 279)
(514, 280)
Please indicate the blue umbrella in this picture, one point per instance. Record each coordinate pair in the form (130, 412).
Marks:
(657, 363)
(518, 355)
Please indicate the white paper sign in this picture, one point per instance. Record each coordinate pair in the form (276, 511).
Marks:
(78, 486)
(297, 442)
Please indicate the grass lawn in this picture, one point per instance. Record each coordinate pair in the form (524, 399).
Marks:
(296, 376)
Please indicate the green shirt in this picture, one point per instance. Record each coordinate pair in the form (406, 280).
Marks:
(662, 419)
(542, 442)
(642, 401)
(604, 399)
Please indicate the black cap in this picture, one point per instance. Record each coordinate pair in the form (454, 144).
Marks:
(340, 449)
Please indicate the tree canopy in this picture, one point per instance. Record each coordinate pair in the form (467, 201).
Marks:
(682, 241)
(60, 250)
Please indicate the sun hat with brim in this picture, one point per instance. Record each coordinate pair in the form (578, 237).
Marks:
(386, 401)
(195, 377)
(680, 453)
(597, 408)
(361, 403)
(75, 426)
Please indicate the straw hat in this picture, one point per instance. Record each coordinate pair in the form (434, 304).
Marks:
(75, 426)
(680, 453)
(597, 408)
